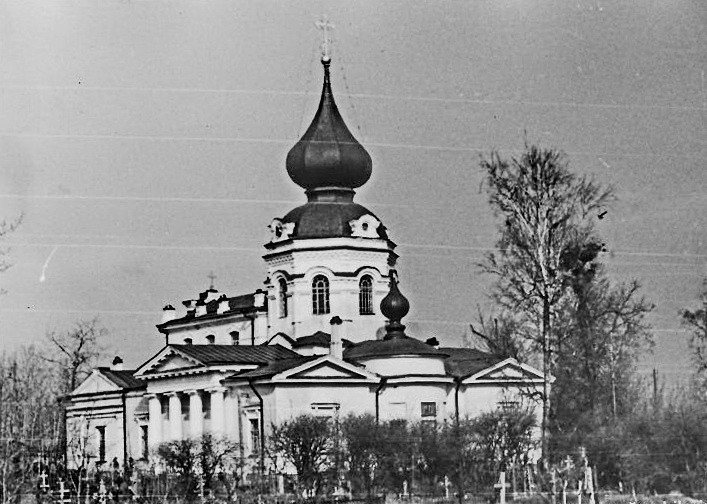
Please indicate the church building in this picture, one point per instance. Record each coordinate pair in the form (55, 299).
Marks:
(323, 336)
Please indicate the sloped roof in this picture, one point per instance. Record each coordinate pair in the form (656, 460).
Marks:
(401, 345)
(122, 378)
(274, 368)
(235, 354)
(467, 361)
(319, 338)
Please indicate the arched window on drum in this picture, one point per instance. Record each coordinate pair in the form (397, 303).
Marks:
(282, 297)
(320, 295)
(365, 295)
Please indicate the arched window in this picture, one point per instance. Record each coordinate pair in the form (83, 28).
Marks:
(235, 337)
(282, 297)
(211, 339)
(320, 295)
(365, 295)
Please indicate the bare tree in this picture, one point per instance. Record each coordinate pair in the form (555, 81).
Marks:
(544, 209)
(7, 227)
(304, 443)
(30, 427)
(696, 320)
(74, 352)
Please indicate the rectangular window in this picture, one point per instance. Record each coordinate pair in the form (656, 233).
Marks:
(328, 410)
(254, 436)
(145, 441)
(101, 430)
(428, 409)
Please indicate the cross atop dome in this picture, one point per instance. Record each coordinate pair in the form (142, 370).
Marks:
(325, 26)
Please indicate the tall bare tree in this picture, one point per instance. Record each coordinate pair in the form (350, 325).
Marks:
(696, 320)
(74, 353)
(544, 209)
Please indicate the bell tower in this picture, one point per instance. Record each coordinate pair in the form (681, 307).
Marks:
(330, 256)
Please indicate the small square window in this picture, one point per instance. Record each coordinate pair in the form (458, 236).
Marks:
(428, 409)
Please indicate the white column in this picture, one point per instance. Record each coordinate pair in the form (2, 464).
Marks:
(217, 411)
(175, 416)
(196, 414)
(154, 425)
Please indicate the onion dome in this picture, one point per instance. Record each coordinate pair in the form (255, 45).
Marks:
(328, 157)
(394, 306)
(395, 343)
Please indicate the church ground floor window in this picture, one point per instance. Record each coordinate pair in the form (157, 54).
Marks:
(101, 430)
(254, 436)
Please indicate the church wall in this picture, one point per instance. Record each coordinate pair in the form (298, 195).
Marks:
(89, 418)
(289, 401)
(400, 366)
(405, 401)
(222, 330)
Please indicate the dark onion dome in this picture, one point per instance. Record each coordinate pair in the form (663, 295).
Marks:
(394, 306)
(328, 155)
(327, 219)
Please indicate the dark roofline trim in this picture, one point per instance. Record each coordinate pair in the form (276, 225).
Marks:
(207, 320)
(272, 255)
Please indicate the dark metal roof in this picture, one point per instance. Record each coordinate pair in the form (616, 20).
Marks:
(328, 155)
(273, 368)
(235, 354)
(122, 378)
(463, 362)
(327, 219)
(319, 338)
(398, 346)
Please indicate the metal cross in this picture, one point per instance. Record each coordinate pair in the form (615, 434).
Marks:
(325, 26)
(212, 277)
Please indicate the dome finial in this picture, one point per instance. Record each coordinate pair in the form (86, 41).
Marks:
(325, 26)
(394, 306)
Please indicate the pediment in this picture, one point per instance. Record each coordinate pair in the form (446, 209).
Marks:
(509, 370)
(168, 360)
(326, 368)
(173, 362)
(96, 383)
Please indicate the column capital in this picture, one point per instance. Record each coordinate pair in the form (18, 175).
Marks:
(153, 395)
(192, 392)
(215, 390)
(172, 394)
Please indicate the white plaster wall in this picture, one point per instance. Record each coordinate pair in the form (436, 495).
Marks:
(289, 401)
(404, 401)
(106, 412)
(221, 329)
(396, 366)
(343, 289)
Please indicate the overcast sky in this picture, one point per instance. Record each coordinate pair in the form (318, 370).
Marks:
(144, 141)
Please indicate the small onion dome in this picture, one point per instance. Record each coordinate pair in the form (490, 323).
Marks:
(394, 306)
(328, 156)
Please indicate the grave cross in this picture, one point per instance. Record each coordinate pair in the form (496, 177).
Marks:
(43, 485)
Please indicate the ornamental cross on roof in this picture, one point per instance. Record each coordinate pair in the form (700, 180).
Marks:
(325, 26)
(211, 277)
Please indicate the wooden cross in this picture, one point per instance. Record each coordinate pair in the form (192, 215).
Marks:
(212, 277)
(325, 26)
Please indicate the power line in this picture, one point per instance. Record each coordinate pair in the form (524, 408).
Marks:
(370, 96)
(292, 141)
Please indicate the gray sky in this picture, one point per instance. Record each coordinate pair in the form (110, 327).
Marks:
(145, 143)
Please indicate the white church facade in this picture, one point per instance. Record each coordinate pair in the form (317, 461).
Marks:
(323, 337)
